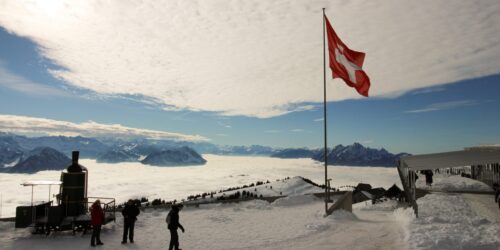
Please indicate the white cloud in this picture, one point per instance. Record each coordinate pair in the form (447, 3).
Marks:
(255, 57)
(296, 130)
(428, 90)
(225, 125)
(272, 131)
(365, 141)
(319, 119)
(25, 124)
(444, 106)
(21, 84)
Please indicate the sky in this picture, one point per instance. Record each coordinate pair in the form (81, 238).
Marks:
(251, 72)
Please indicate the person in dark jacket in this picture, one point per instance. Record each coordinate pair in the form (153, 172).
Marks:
(496, 187)
(173, 223)
(428, 177)
(96, 219)
(129, 212)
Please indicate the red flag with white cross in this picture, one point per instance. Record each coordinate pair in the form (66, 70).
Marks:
(346, 63)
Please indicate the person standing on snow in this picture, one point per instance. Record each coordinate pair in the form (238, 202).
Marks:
(129, 212)
(496, 187)
(428, 177)
(173, 223)
(97, 219)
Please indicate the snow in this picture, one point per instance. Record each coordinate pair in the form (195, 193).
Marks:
(12, 164)
(142, 157)
(247, 225)
(293, 186)
(444, 182)
(445, 221)
(293, 200)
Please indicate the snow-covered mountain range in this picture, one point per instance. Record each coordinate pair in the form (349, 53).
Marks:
(20, 154)
(358, 155)
(15, 149)
(350, 155)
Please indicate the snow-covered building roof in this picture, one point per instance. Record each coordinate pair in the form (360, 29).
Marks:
(467, 157)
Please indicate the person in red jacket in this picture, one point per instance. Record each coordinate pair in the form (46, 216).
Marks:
(97, 219)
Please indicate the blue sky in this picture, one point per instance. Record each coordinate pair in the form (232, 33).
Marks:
(439, 114)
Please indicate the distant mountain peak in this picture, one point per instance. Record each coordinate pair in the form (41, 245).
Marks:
(174, 157)
(41, 158)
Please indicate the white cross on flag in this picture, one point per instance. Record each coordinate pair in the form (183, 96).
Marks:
(346, 63)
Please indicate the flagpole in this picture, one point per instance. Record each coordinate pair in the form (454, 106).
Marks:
(324, 115)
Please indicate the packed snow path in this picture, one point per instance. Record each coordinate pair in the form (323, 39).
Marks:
(484, 206)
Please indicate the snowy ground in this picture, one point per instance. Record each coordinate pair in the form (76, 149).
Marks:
(289, 223)
(446, 221)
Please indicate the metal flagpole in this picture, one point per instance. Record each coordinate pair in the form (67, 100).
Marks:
(324, 114)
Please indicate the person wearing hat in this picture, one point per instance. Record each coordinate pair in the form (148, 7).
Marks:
(129, 212)
(173, 224)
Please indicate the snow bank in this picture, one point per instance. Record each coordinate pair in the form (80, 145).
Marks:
(295, 200)
(388, 205)
(253, 204)
(404, 217)
(343, 215)
(446, 221)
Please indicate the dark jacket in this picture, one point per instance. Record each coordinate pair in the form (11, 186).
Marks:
(130, 212)
(96, 215)
(428, 176)
(173, 219)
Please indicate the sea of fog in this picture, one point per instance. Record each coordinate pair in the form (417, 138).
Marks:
(134, 180)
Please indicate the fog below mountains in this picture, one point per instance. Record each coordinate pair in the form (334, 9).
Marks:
(132, 180)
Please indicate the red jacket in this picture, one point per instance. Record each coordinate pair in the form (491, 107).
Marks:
(96, 215)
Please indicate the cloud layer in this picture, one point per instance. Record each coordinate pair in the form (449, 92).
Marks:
(25, 124)
(255, 57)
(444, 106)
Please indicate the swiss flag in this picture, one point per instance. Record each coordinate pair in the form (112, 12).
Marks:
(346, 63)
